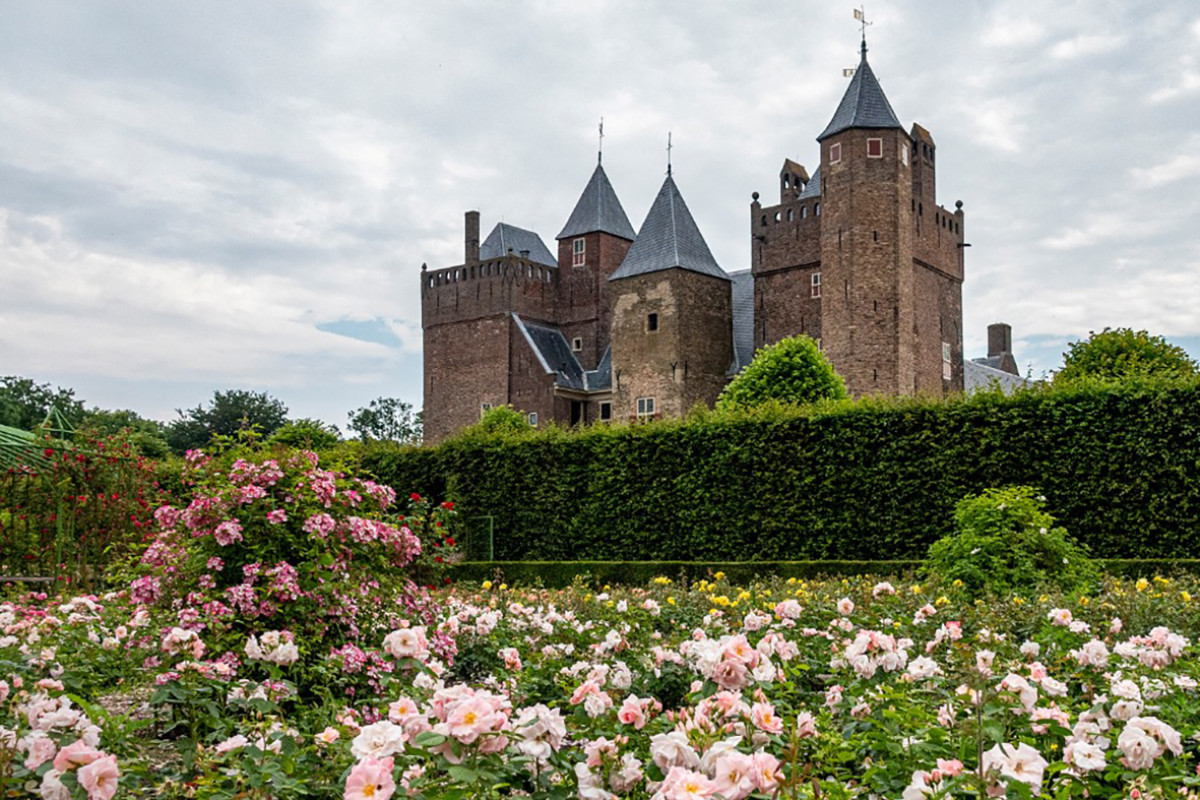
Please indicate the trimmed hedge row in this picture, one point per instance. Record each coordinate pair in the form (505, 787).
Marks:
(1120, 467)
(557, 574)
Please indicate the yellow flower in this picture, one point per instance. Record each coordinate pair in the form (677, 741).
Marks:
(1162, 580)
(587, 597)
(662, 580)
(719, 576)
(1142, 584)
(610, 604)
(671, 600)
(607, 587)
(1083, 601)
(957, 583)
(791, 581)
(743, 595)
(1187, 598)
(916, 589)
(1044, 598)
(942, 601)
(487, 584)
(1018, 601)
(503, 586)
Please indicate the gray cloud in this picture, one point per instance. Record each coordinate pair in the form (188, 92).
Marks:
(208, 195)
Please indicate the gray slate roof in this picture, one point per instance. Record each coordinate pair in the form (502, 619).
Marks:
(864, 104)
(555, 355)
(505, 237)
(743, 319)
(598, 210)
(978, 376)
(600, 377)
(813, 187)
(669, 238)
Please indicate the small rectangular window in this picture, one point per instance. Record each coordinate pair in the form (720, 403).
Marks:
(484, 408)
(652, 322)
(578, 253)
(874, 148)
(904, 154)
(645, 406)
(605, 411)
(835, 152)
(533, 418)
(577, 344)
(947, 367)
(816, 285)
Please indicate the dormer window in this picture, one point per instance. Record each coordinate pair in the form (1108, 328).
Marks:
(578, 253)
(835, 152)
(874, 148)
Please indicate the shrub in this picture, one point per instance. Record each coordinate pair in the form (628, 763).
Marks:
(793, 370)
(502, 420)
(1006, 542)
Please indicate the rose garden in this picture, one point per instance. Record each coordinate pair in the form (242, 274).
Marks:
(256, 620)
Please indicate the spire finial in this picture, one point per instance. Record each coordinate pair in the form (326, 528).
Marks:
(600, 149)
(860, 14)
(668, 154)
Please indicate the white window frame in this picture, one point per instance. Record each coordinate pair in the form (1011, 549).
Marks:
(645, 407)
(579, 252)
(835, 153)
(815, 285)
(533, 418)
(577, 344)
(947, 363)
(904, 154)
(878, 141)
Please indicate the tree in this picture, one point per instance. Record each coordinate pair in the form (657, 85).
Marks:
(387, 419)
(310, 434)
(25, 404)
(1115, 354)
(147, 436)
(230, 411)
(793, 370)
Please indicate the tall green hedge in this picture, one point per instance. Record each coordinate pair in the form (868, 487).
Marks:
(1119, 466)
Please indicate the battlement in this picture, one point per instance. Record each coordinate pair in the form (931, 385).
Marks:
(493, 286)
(786, 235)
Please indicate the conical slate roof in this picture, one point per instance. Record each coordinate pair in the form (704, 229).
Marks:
(669, 238)
(598, 210)
(864, 104)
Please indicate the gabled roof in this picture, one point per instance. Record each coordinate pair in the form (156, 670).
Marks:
(864, 104)
(598, 210)
(505, 237)
(669, 238)
(556, 358)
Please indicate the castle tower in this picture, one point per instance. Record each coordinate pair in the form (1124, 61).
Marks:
(591, 246)
(868, 315)
(672, 341)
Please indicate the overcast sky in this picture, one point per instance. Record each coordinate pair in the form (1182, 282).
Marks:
(211, 195)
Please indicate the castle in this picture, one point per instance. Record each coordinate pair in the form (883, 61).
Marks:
(625, 325)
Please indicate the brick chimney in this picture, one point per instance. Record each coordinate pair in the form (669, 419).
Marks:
(999, 339)
(472, 238)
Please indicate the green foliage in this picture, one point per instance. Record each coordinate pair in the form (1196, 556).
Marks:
(387, 419)
(869, 480)
(146, 436)
(557, 574)
(1124, 353)
(229, 412)
(310, 434)
(25, 404)
(501, 420)
(1007, 543)
(793, 370)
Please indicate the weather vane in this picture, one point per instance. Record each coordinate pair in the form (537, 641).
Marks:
(668, 153)
(860, 14)
(600, 149)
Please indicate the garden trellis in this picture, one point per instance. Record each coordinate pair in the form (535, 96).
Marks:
(64, 506)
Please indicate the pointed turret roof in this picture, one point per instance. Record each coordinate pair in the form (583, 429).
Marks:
(864, 105)
(598, 210)
(669, 238)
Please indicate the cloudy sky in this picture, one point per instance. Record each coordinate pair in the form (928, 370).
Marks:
(232, 194)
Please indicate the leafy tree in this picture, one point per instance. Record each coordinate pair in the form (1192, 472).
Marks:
(793, 370)
(499, 420)
(147, 436)
(387, 419)
(310, 434)
(1114, 354)
(25, 404)
(229, 412)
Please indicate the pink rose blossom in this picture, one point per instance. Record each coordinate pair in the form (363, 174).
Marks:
(99, 778)
(370, 780)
